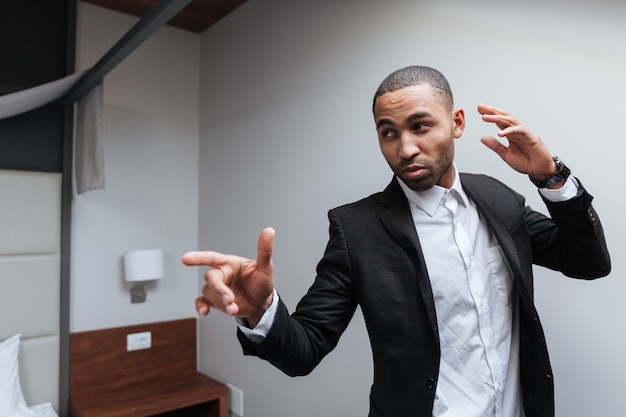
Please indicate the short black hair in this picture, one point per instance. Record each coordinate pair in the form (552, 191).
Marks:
(415, 75)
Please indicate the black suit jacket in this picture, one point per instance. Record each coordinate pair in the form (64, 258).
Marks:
(373, 259)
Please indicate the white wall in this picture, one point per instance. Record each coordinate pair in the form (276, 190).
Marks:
(150, 201)
(286, 133)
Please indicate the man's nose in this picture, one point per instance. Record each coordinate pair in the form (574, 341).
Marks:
(408, 146)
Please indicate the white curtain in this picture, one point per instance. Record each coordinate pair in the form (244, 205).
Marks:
(88, 141)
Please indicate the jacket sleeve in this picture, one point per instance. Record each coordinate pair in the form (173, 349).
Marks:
(297, 343)
(573, 241)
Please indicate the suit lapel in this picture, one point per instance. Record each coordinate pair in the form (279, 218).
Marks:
(489, 201)
(397, 220)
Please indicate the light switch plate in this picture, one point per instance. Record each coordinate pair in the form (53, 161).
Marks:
(235, 400)
(138, 341)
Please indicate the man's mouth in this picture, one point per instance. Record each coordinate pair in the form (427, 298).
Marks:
(414, 172)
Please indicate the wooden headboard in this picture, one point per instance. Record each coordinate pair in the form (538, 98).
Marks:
(100, 362)
(30, 277)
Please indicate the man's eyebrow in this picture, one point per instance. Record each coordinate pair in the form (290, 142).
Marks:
(383, 122)
(419, 115)
(411, 118)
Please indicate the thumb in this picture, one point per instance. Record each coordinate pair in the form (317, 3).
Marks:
(495, 145)
(265, 248)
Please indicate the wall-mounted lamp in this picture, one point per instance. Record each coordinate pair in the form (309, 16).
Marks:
(141, 266)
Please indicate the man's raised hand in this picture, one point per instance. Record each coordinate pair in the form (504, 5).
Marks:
(235, 285)
(526, 152)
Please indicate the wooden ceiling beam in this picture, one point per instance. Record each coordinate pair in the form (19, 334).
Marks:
(197, 16)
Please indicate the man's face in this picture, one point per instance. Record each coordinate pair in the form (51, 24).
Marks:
(416, 131)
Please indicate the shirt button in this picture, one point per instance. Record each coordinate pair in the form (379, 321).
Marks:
(431, 383)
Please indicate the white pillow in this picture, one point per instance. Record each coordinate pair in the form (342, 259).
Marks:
(12, 403)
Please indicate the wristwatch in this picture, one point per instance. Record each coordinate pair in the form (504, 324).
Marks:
(561, 175)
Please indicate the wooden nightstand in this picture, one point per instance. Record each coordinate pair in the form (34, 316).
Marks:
(108, 381)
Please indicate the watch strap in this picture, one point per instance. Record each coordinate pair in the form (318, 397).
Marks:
(562, 174)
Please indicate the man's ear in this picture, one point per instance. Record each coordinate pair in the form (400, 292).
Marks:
(458, 118)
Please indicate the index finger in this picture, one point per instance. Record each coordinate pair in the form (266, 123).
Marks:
(486, 109)
(499, 117)
(205, 258)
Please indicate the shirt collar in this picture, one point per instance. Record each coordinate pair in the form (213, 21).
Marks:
(429, 200)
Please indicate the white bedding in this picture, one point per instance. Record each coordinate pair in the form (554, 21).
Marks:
(12, 402)
(44, 410)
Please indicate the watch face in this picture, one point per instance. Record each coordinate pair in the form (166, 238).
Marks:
(562, 174)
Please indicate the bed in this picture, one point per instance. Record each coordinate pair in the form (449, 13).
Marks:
(30, 282)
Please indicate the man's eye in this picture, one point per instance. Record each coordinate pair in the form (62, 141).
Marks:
(419, 126)
(386, 134)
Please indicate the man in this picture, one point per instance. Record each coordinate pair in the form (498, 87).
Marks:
(439, 262)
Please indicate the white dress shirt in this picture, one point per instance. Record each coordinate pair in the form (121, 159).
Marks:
(474, 301)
